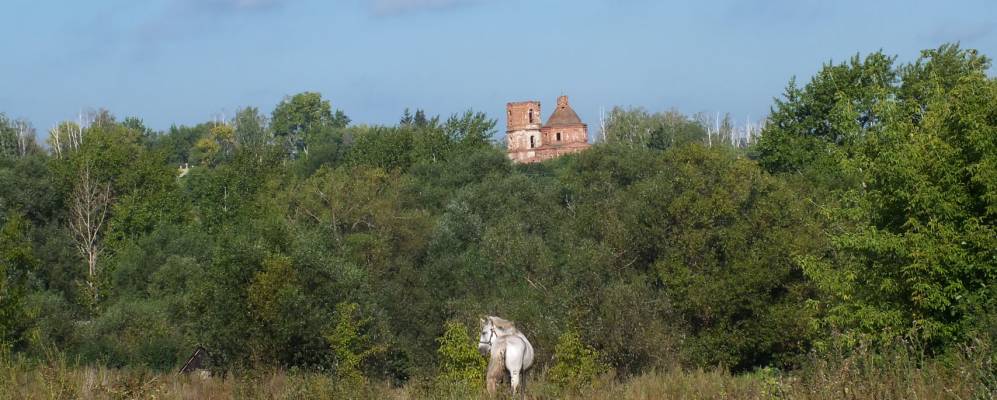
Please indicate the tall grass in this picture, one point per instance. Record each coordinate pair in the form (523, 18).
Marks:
(902, 372)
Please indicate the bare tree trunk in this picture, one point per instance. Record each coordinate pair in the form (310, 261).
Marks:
(23, 136)
(89, 207)
(55, 137)
(602, 124)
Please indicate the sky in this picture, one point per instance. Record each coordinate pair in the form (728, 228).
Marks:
(174, 62)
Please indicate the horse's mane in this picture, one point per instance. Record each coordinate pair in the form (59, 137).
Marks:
(505, 326)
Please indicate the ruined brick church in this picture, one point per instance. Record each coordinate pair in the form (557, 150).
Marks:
(529, 141)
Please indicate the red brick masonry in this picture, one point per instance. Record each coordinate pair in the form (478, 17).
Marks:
(528, 141)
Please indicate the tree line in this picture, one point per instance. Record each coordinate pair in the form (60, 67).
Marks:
(864, 213)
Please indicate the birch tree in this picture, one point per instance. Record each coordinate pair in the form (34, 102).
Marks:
(25, 136)
(89, 207)
(64, 138)
(8, 136)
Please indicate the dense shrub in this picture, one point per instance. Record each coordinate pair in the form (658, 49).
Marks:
(133, 333)
(459, 362)
(575, 364)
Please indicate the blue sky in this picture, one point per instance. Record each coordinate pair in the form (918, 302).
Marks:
(187, 61)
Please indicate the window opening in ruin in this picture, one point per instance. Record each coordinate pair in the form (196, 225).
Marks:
(559, 136)
(531, 115)
(531, 141)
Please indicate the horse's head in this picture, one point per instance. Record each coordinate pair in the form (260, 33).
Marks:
(492, 328)
(488, 336)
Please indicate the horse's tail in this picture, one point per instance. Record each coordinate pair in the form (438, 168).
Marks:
(528, 353)
(522, 384)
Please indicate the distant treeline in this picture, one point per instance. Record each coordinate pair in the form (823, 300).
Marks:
(864, 213)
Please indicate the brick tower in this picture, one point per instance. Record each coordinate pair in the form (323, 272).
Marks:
(522, 131)
(528, 141)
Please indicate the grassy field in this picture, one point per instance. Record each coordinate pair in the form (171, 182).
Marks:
(970, 374)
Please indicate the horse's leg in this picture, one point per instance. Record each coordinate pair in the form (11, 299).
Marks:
(515, 380)
(514, 363)
(522, 385)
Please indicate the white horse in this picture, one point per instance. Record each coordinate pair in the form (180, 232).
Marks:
(507, 349)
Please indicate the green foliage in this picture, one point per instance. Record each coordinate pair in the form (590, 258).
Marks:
(708, 223)
(907, 156)
(382, 147)
(469, 130)
(8, 137)
(300, 118)
(638, 128)
(274, 300)
(178, 142)
(31, 189)
(52, 323)
(576, 365)
(139, 264)
(215, 147)
(12, 315)
(251, 130)
(17, 138)
(460, 363)
(352, 345)
(133, 333)
(16, 263)
(841, 105)
(425, 143)
(865, 213)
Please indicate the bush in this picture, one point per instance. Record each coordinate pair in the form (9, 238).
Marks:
(575, 364)
(133, 333)
(351, 345)
(52, 322)
(460, 363)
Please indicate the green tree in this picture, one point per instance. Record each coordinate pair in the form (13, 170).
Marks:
(278, 305)
(17, 261)
(64, 138)
(8, 137)
(179, 141)
(722, 236)
(908, 156)
(251, 129)
(421, 140)
(17, 137)
(470, 129)
(215, 147)
(382, 147)
(299, 118)
(133, 332)
(638, 128)
(815, 127)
